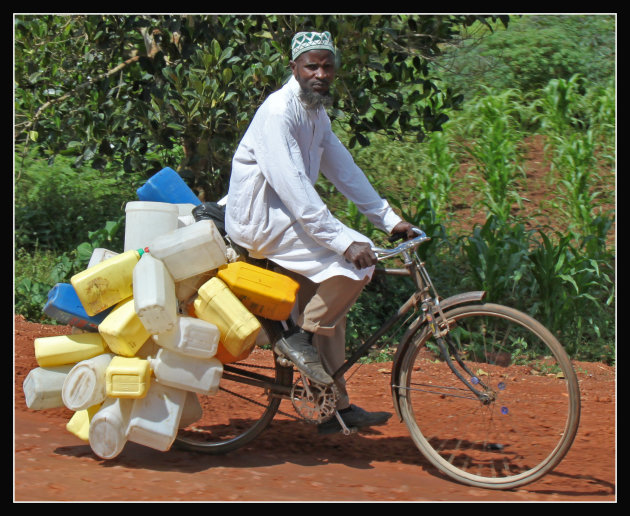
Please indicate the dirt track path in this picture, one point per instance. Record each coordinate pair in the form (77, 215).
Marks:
(290, 462)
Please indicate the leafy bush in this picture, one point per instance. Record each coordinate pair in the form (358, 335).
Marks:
(534, 50)
(56, 206)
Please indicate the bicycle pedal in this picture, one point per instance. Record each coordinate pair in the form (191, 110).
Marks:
(345, 430)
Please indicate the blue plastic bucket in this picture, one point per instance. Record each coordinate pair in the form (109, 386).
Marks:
(64, 306)
(167, 186)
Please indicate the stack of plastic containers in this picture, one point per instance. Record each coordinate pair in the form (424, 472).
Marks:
(155, 323)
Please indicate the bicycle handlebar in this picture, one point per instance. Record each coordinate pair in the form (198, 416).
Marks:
(383, 253)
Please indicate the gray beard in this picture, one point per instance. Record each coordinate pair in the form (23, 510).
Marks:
(314, 100)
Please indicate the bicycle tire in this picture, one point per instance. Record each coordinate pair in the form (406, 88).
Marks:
(510, 441)
(238, 412)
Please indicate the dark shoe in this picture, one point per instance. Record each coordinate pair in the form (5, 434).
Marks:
(353, 417)
(299, 349)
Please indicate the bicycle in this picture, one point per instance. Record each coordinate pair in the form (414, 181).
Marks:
(456, 381)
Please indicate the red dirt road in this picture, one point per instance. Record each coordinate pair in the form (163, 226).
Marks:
(290, 462)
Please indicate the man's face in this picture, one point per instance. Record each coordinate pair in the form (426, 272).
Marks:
(314, 71)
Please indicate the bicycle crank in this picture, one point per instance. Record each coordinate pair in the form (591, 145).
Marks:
(313, 401)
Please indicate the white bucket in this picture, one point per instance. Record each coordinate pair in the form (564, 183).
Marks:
(108, 428)
(155, 418)
(84, 385)
(190, 250)
(187, 373)
(154, 295)
(191, 336)
(145, 220)
(42, 387)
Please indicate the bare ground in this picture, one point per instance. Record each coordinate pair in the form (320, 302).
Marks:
(290, 461)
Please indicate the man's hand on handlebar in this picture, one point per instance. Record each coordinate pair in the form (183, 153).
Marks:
(360, 254)
(402, 230)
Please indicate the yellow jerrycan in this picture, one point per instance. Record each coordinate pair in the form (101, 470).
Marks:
(106, 283)
(217, 304)
(265, 293)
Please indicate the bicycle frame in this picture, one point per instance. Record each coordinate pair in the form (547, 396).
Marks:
(432, 309)
(432, 313)
(424, 317)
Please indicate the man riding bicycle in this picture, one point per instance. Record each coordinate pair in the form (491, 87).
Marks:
(274, 212)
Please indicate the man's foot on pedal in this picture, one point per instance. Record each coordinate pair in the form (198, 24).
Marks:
(353, 417)
(298, 348)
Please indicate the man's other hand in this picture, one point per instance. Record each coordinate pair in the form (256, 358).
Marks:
(360, 254)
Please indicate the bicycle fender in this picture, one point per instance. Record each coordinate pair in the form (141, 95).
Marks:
(458, 299)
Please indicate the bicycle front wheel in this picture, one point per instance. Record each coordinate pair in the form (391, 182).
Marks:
(529, 414)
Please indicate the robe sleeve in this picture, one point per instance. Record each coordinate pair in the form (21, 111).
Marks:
(281, 162)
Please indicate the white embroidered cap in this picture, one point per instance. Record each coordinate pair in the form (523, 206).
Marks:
(305, 41)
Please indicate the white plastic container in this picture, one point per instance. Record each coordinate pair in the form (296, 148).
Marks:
(187, 288)
(187, 373)
(154, 295)
(42, 387)
(155, 418)
(144, 220)
(84, 385)
(100, 254)
(185, 217)
(192, 410)
(108, 428)
(191, 336)
(190, 250)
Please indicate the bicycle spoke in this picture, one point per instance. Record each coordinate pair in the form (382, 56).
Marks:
(241, 409)
(529, 416)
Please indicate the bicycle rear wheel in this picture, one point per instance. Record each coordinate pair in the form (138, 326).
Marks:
(530, 419)
(249, 395)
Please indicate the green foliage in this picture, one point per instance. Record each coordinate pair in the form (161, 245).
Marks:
(570, 286)
(56, 206)
(438, 174)
(497, 253)
(559, 105)
(495, 148)
(534, 50)
(126, 88)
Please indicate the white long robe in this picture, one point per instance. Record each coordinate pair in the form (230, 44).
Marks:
(273, 209)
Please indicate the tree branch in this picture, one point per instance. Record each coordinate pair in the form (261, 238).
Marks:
(51, 102)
